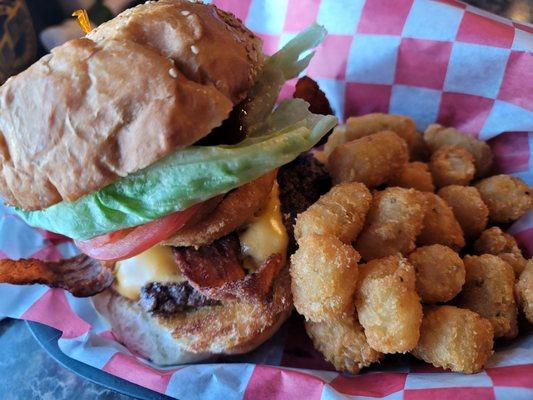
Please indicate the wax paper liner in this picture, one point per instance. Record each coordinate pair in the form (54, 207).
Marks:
(433, 60)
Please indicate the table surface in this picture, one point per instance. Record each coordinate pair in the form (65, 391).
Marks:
(28, 372)
(35, 375)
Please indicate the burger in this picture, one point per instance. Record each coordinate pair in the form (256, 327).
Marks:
(154, 143)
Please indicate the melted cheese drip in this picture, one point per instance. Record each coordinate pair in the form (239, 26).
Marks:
(266, 234)
(153, 265)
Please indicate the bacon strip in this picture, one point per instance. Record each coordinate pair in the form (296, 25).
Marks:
(253, 287)
(211, 265)
(81, 275)
(307, 89)
(216, 271)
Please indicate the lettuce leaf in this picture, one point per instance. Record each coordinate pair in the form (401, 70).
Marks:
(197, 173)
(286, 64)
(186, 177)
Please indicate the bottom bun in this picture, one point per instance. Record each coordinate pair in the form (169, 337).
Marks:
(234, 327)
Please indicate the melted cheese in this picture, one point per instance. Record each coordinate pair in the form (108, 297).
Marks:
(153, 265)
(266, 234)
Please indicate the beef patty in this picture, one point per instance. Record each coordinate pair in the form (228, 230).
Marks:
(164, 298)
(301, 183)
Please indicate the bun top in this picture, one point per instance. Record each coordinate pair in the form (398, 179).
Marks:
(157, 77)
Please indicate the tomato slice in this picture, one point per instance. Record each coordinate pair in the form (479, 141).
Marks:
(126, 243)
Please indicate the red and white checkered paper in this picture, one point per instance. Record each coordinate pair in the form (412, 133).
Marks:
(438, 61)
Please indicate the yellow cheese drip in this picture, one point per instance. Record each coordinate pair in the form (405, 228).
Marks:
(266, 234)
(153, 265)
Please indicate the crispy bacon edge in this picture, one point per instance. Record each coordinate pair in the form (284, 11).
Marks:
(81, 275)
(229, 281)
(254, 287)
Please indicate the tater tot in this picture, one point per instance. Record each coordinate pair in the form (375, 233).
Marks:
(507, 197)
(495, 241)
(419, 150)
(515, 260)
(343, 343)
(524, 291)
(455, 339)
(468, 207)
(387, 304)
(452, 165)
(440, 225)
(414, 175)
(341, 212)
(437, 136)
(392, 224)
(440, 273)
(358, 127)
(488, 290)
(371, 160)
(324, 276)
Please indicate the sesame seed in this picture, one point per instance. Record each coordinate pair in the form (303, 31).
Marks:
(194, 49)
(185, 13)
(173, 73)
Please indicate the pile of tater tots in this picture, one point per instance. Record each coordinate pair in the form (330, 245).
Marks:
(407, 253)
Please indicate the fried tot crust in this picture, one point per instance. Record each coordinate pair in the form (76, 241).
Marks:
(524, 291)
(343, 343)
(387, 304)
(414, 175)
(468, 207)
(507, 197)
(341, 212)
(324, 276)
(437, 136)
(440, 273)
(495, 241)
(366, 125)
(455, 339)
(488, 290)
(372, 160)
(440, 225)
(393, 223)
(452, 165)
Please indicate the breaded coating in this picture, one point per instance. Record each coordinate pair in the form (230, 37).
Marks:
(341, 212)
(515, 260)
(440, 273)
(437, 136)
(387, 304)
(414, 175)
(324, 276)
(366, 125)
(524, 291)
(455, 339)
(343, 343)
(468, 207)
(419, 150)
(495, 241)
(507, 197)
(392, 224)
(372, 160)
(440, 225)
(452, 165)
(488, 290)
